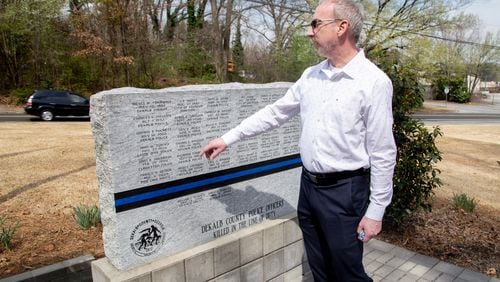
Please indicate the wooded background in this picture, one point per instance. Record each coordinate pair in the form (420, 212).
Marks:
(91, 45)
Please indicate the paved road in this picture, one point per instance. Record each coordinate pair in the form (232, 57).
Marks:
(15, 117)
(19, 117)
(459, 118)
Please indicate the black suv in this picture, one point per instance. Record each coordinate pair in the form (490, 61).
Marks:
(48, 104)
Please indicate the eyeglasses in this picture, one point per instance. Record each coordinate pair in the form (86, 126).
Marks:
(317, 22)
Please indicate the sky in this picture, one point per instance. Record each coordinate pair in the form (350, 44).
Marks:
(488, 11)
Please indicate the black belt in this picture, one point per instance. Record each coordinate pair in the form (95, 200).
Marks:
(330, 178)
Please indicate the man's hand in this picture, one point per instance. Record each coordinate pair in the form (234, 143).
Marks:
(213, 148)
(370, 226)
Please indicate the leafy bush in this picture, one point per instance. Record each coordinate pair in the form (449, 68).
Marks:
(463, 201)
(460, 96)
(457, 89)
(414, 176)
(7, 232)
(87, 216)
(20, 95)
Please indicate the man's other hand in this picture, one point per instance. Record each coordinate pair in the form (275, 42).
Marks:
(371, 227)
(213, 148)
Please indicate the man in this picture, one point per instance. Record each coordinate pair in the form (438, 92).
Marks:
(346, 146)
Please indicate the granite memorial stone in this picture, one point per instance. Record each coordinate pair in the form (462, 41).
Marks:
(158, 197)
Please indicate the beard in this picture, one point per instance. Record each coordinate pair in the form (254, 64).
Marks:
(324, 50)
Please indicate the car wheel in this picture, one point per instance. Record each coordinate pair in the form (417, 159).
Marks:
(46, 115)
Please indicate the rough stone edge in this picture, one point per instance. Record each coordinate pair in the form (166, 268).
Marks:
(104, 266)
(199, 87)
(103, 167)
(38, 273)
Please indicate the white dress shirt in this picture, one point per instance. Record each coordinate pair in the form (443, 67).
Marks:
(346, 117)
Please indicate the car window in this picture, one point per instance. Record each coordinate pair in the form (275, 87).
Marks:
(50, 93)
(77, 99)
(60, 94)
(56, 99)
(40, 94)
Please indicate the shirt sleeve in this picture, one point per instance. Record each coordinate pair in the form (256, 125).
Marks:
(271, 116)
(381, 148)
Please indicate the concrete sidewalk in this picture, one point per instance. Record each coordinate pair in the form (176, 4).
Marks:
(387, 262)
(469, 108)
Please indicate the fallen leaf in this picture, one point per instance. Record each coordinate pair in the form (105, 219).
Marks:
(491, 271)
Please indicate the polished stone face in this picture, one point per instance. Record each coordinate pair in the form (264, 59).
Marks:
(158, 197)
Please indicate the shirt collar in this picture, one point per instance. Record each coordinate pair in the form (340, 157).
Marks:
(352, 68)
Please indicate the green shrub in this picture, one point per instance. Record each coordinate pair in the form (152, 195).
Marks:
(87, 216)
(463, 201)
(456, 86)
(20, 95)
(460, 96)
(7, 232)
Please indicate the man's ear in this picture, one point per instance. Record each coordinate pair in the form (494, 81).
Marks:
(342, 28)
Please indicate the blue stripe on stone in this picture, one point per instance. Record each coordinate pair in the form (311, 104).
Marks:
(212, 182)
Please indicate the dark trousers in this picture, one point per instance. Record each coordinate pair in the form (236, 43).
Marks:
(328, 217)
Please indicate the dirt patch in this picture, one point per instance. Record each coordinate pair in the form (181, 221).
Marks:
(471, 162)
(6, 106)
(48, 168)
(432, 109)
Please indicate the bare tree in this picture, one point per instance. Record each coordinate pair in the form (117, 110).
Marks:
(221, 12)
(156, 11)
(278, 20)
(390, 21)
(478, 56)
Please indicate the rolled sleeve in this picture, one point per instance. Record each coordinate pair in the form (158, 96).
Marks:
(230, 137)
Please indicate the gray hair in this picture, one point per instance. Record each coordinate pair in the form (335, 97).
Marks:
(350, 11)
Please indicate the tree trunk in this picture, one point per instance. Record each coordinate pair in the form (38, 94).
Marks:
(216, 33)
(222, 36)
(227, 38)
(10, 54)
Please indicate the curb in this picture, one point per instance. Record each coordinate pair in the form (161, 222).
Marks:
(11, 112)
(77, 269)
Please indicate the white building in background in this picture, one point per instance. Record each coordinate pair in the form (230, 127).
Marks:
(483, 86)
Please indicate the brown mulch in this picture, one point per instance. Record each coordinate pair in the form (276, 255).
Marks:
(46, 239)
(469, 240)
